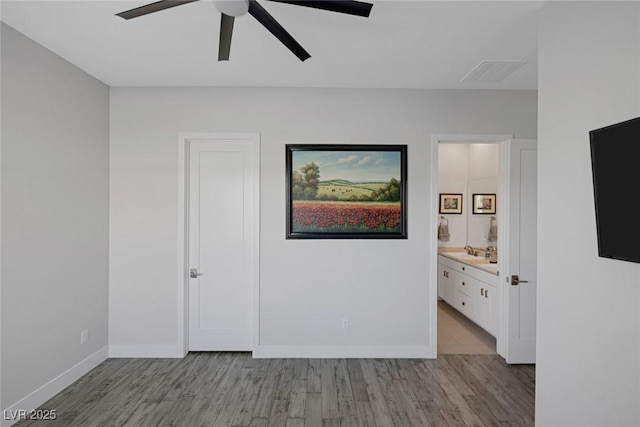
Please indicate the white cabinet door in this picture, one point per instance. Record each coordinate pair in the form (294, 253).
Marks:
(486, 306)
(442, 281)
(450, 292)
(446, 284)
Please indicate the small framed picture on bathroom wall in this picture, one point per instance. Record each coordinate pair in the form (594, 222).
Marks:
(484, 203)
(450, 203)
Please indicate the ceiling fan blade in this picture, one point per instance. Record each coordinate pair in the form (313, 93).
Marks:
(351, 7)
(152, 7)
(277, 30)
(226, 31)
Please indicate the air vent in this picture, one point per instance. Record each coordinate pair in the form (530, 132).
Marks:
(492, 71)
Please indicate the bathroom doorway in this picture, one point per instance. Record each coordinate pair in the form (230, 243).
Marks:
(468, 307)
(505, 309)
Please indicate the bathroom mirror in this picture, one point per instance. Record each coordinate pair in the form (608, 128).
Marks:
(468, 168)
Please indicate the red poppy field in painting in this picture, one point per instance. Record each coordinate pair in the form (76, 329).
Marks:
(345, 217)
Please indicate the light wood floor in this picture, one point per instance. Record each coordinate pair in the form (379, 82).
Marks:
(232, 389)
(459, 335)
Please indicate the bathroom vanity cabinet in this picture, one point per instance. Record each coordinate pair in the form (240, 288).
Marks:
(470, 290)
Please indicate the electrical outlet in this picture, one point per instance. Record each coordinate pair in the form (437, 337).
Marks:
(84, 336)
(345, 324)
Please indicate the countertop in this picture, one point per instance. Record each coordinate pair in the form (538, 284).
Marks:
(480, 263)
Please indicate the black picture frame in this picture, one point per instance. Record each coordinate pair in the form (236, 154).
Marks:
(484, 204)
(363, 194)
(450, 203)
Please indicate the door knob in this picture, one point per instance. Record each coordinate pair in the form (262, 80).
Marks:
(193, 273)
(515, 280)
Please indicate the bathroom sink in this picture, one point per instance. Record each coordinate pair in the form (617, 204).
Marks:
(462, 255)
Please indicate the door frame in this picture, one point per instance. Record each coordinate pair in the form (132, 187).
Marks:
(503, 142)
(184, 141)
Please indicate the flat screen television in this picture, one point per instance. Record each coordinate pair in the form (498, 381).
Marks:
(615, 166)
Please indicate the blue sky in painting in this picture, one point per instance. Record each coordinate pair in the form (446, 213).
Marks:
(354, 166)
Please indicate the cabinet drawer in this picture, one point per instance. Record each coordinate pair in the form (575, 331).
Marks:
(474, 272)
(454, 265)
(464, 304)
(464, 284)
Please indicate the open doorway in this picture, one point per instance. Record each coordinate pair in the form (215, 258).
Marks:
(503, 303)
(468, 288)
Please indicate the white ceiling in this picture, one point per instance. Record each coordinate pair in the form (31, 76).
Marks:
(403, 44)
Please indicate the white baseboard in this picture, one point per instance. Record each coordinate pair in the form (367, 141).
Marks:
(346, 351)
(145, 351)
(53, 387)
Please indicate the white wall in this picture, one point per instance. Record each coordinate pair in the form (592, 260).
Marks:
(468, 169)
(453, 177)
(588, 343)
(55, 153)
(483, 179)
(380, 285)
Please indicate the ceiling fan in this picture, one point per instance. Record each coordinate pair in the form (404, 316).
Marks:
(230, 9)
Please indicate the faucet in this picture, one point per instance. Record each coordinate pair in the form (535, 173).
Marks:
(469, 250)
(491, 252)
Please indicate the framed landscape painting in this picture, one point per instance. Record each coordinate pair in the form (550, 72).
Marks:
(346, 191)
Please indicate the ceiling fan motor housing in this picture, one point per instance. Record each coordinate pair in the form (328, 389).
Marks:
(232, 7)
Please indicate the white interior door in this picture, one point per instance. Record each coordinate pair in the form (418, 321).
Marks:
(222, 228)
(521, 294)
